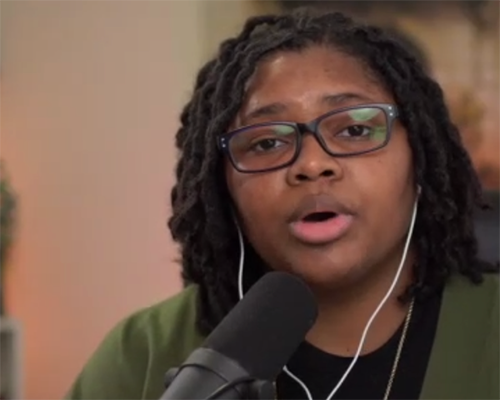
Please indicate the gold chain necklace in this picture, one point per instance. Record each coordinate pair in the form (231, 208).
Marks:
(398, 351)
(396, 358)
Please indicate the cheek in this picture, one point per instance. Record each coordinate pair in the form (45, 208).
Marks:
(256, 197)
(391, 179)
(389, 191)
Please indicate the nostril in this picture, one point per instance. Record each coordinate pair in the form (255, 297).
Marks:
(327, 173)
(302, 177)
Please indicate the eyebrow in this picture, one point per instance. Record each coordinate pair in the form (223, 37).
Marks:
(333, 100)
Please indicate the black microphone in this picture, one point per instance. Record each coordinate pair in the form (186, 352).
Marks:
(245, 353)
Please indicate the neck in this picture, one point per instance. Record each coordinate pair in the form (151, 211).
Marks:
(343, 316)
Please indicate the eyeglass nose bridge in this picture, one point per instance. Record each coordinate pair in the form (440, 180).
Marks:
(311, 128)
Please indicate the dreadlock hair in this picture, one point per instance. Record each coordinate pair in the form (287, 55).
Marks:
(202, 221)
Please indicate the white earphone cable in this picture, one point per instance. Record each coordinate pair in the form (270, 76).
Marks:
(371, 319)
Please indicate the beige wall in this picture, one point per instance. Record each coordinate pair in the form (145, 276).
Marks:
(224, 18)
(90, 96)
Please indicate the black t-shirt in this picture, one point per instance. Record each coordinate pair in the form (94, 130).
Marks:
(369, 377)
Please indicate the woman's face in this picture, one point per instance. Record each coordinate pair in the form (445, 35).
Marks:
(370, 195)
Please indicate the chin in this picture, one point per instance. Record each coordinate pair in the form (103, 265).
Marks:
(330, 276)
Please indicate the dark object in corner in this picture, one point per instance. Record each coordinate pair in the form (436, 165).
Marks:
(487, 226)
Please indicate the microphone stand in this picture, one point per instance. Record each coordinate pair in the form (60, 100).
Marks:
(226, 378)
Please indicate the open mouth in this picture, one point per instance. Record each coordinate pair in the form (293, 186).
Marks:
(321, 227)
(319, 216)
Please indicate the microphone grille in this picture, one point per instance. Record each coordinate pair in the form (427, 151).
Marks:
(265, 328)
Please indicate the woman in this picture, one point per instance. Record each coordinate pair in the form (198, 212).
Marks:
(328, 149)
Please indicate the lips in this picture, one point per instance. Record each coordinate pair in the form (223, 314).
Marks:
(320, 219)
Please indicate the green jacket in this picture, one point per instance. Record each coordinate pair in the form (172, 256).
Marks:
(132, 360)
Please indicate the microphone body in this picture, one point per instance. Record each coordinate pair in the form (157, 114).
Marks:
(245, 353)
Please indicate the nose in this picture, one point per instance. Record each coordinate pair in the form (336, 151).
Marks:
(313, 164)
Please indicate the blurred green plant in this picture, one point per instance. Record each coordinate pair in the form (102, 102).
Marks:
(7, 224)
(8, 203)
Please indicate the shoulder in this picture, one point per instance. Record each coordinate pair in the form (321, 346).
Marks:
(472, 306)
(491, 294)
(461, 293)
(133, 357)
(466, 354)
(169, 326)
(471, 310)
(169, 317)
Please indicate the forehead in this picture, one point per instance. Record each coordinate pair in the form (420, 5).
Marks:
(302, 78)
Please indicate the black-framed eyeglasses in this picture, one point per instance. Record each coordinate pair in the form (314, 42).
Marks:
(345, 132)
